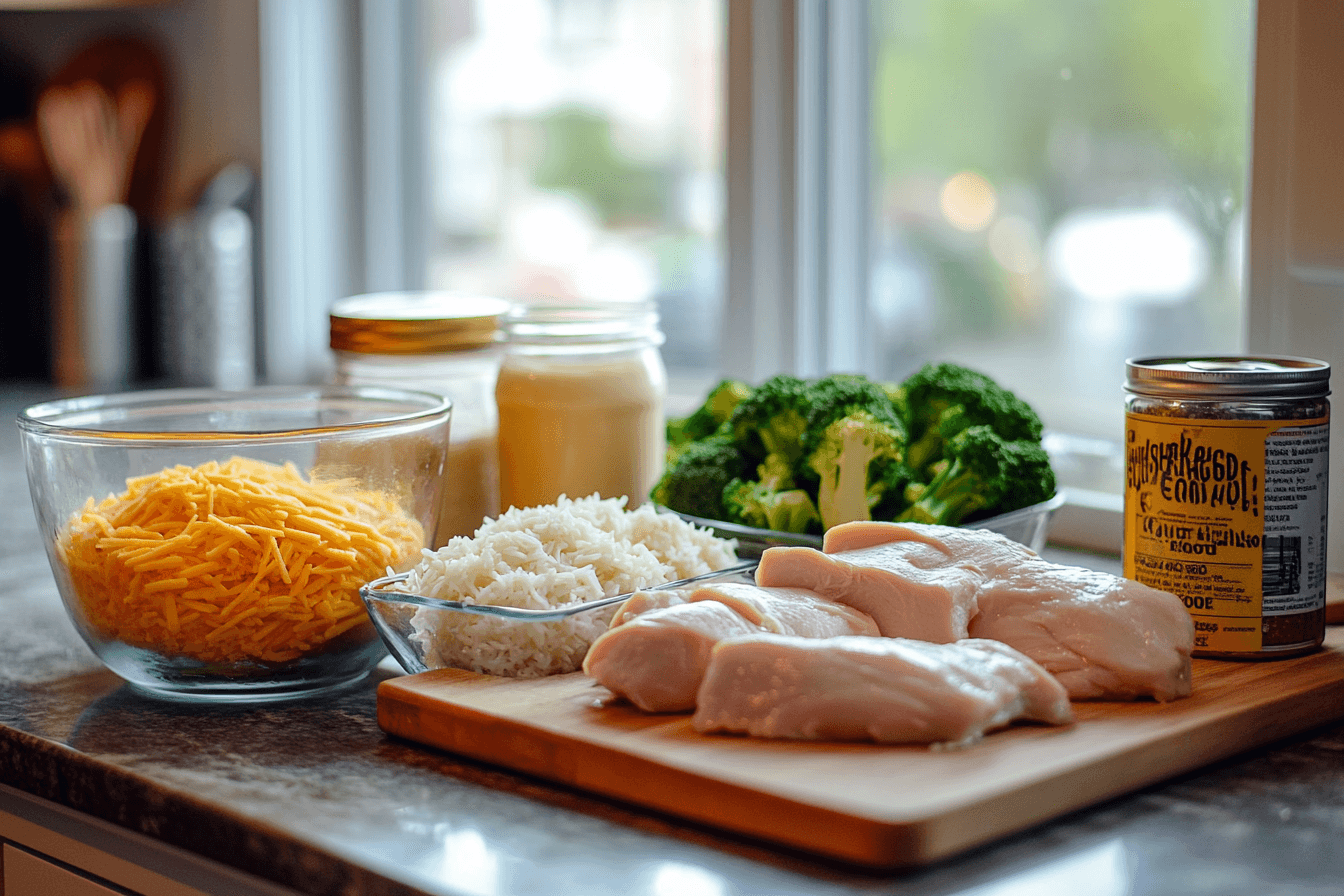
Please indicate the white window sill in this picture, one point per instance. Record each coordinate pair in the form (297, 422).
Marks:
(1089, 519)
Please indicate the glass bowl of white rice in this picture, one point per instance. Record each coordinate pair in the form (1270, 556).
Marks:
(558, 555)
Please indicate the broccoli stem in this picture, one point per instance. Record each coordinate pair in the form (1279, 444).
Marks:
(842, 494)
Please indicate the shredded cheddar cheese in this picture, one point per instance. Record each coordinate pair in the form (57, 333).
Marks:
(233, 562)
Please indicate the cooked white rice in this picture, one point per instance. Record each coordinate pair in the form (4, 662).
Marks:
(550, 556)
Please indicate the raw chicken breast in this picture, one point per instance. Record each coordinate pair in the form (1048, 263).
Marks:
(912, 589)
(927, 545)
(657, 659)
(643, 601)
(888, 690)
(789, 611)
(1102, 636)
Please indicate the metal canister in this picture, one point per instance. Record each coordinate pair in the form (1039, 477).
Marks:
(1227, 475)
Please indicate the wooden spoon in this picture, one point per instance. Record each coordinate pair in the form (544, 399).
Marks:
(91, 138)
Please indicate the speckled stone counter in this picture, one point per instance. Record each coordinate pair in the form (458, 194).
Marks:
(312, 795)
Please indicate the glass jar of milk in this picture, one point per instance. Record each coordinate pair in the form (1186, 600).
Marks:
(580, 396)
(441, 342)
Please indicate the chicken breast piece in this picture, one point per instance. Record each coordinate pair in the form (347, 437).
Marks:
(925, 544)
(657, 659)
(657, 655)
(789, 611)
(642, 602)
(1104, 637)
(913, 589)
(888, 690)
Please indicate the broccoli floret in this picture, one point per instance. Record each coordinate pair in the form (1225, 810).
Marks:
(914, 490)
(775, 472)
(772, 419)
(723, 434)
(842, 457)
(756, 504)
(1032, 478)
(887, 487)
(693, 481)
(840, 394)
(851, 397)
(942, 400)
(895, 393)
(982, 472)
(705, 420)
(678, 432)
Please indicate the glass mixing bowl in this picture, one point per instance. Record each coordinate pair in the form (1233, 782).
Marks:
(211, 544)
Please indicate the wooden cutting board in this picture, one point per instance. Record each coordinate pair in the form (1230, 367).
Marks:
(882, 807)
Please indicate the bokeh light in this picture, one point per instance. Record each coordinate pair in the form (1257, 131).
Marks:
(968, 201)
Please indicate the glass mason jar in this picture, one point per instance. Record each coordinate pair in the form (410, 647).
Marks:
(581, 397)
(440, 342)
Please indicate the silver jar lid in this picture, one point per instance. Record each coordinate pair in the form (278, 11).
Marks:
(1228, 376)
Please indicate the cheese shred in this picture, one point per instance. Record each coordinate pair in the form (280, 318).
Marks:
(233, 562)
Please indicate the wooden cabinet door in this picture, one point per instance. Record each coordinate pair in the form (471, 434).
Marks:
(26, 874)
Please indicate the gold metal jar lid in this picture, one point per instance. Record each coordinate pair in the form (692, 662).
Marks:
(415, 323)
(1245, 376)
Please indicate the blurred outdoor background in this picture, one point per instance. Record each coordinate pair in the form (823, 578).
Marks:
(1055, 185)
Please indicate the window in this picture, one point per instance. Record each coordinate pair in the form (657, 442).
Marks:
(1059, 186)
(574, 152)
(1038, 188)
(1054, 186)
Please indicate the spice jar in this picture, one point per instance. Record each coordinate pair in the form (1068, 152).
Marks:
(581, 395)
(439, 342)
(1227, 473)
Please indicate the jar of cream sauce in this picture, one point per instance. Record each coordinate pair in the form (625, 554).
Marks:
(580, 394)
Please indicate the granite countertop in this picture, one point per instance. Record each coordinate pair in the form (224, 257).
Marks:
(314, 796)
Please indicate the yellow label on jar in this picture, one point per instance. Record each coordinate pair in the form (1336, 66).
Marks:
(1228, 515)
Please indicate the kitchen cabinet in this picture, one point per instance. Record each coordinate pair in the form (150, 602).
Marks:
(48, 850)
(29, 874)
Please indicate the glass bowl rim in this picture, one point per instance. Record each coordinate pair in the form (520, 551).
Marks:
(45, 418)
(748, 536)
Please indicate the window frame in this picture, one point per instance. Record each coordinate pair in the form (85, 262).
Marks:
(309, 203)
(342, 105)
(798, 169)
(1295, 246)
